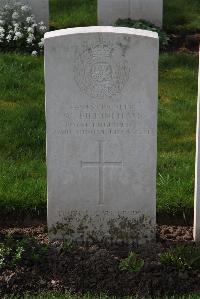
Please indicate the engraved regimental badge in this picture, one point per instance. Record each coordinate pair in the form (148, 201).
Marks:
(99, 72)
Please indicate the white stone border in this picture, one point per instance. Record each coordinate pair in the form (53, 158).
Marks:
(101, 29)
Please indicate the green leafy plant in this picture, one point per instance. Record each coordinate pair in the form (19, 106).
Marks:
(132, 263)
(4, 254)
(67, 246)
(182, 258)
(34, 252)
(14, 252)
(145, 25)
(17, 255)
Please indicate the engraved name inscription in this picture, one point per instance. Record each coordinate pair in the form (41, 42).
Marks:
(104, 119)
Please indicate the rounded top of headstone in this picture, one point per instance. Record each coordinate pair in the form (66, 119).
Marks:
(101, 29)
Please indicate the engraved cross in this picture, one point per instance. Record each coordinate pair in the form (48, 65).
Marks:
(101, 164)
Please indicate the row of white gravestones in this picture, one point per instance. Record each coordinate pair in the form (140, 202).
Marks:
(101, 115)
(40, 8)
(109, 11)
(197, 172)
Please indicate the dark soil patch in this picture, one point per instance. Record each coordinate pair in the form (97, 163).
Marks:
(30, 221)
(95, 268)
(184, 43)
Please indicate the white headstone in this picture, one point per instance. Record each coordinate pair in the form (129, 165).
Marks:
(101, 115)
(40, 8)
(197, 173)
(109, 11)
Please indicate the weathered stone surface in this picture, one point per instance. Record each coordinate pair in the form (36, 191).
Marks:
(197, 173)
(40, 8)
(101, 115)
(109, 11)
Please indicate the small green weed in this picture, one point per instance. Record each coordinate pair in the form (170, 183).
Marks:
(14, 252)
(182, 258)
(18, 255)
(145, 25)
(67, 246)
(132, 263)
(4, 254)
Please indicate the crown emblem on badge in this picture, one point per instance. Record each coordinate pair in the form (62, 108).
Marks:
(101, 51)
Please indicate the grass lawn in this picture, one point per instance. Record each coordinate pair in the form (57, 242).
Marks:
(176, 132)
(72, 13)
(182, 16)
(22, 126)
(22, 138)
